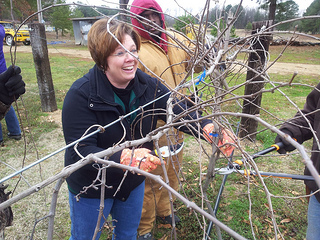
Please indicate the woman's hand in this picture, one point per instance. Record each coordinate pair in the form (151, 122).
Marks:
(226, 141)
(141, 158)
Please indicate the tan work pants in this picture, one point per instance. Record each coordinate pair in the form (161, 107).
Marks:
(156, 200)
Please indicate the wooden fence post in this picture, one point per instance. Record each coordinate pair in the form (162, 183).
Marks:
(42, 66)
(257, 60)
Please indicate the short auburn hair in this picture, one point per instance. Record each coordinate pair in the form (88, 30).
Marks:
(102, 44)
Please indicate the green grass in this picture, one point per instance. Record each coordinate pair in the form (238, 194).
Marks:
(234, 207)
(280, 108)
(306, 55)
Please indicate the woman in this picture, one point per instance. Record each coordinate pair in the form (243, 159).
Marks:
(112, 88)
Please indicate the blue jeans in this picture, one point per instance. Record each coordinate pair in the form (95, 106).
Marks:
(125, 215)
(313, 231)
(12, 123)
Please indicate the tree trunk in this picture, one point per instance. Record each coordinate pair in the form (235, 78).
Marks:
(272, 10)
(42, 65)
(257, 60)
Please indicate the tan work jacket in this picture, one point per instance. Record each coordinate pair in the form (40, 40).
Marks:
(171, 67)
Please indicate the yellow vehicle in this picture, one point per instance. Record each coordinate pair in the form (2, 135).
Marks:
(190, 30)
(21, 36)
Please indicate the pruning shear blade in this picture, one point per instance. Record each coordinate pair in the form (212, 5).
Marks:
(172, 150)
(224, 171)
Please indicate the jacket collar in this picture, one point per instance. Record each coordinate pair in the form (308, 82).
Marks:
(101, 89)
(144, 40)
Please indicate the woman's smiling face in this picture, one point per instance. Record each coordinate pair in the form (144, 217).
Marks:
(122, 66)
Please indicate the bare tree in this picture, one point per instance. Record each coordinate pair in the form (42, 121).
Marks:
(218, 93)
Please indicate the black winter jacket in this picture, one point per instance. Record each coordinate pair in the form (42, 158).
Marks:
(91, 100)
(299, 129)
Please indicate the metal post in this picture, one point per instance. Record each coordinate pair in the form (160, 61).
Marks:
(40, 18)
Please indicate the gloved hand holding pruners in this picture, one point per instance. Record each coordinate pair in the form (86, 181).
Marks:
(142, 158)
(287, 147)
(11, 85)
(226, 141)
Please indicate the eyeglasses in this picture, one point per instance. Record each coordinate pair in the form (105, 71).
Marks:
(125, 53)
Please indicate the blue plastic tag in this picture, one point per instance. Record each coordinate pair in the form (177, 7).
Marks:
(201, 77)
(214, 134)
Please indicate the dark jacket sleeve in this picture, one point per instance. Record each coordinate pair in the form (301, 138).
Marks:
(299, 125)
(300, 128)
(179, 109)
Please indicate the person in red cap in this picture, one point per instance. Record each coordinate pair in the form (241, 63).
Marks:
(160, 56)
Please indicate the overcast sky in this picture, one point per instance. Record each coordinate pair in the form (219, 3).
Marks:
(194, 6)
